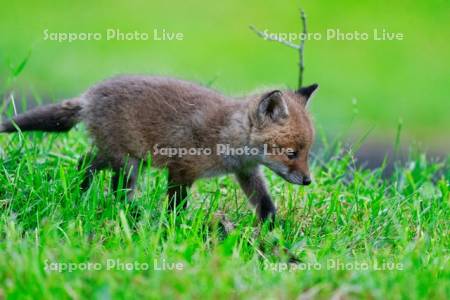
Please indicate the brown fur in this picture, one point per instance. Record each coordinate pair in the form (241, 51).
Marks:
(128, 116)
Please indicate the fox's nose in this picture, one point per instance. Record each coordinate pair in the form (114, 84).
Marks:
(306, 180)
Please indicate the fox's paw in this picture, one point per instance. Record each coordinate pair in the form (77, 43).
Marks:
(266, 213)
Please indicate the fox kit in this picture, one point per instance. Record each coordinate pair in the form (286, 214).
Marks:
(130, 117)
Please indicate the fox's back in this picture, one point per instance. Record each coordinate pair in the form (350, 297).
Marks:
(133, 113)
(128, 116)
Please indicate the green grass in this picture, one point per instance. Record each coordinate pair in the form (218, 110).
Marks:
(348, 215)
(351, 216)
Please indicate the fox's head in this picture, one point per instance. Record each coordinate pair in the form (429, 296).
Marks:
(281, 124)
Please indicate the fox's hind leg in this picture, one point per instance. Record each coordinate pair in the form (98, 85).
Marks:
(93, 163)
(125, 175)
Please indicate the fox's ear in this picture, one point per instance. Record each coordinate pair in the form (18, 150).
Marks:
(306, 92)
(272, 107)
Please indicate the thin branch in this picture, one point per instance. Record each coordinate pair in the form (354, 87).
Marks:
(275, 38)
(301, 49)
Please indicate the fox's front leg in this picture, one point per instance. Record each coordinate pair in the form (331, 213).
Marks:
(177, 190)
(254, 186)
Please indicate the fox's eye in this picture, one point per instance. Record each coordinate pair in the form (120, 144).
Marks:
(292, 154)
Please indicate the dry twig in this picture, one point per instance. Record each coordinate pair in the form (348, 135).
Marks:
(300, 48)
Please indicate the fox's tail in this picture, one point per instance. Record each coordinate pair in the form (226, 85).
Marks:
(58, 117)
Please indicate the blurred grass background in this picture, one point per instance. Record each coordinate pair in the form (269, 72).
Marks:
(389, 80)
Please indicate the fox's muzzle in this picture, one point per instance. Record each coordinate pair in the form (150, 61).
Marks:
(294, 176)
(297, 178)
